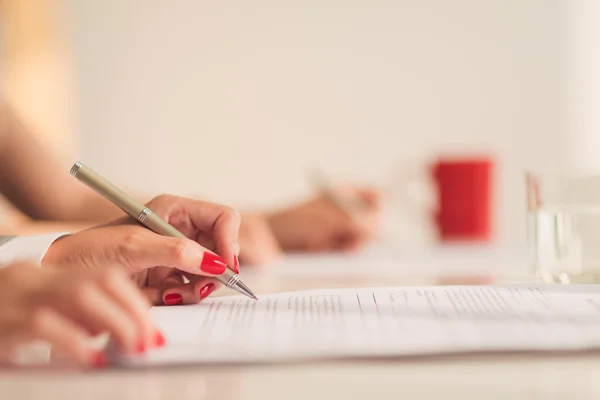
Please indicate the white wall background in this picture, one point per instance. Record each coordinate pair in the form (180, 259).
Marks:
(237, 100)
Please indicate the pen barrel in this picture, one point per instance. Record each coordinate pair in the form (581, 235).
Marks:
(96, 182)
(157, 224)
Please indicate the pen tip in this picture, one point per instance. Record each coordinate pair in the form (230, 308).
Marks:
(255, 298)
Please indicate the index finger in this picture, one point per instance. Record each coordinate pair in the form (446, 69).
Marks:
(225, 235)
(222, 222)
(131, 300)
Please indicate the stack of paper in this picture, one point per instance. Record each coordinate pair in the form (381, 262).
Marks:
(395, 321)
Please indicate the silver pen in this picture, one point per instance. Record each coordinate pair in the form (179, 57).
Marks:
(146, 217)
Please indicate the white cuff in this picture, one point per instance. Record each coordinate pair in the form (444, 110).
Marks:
(27, 248)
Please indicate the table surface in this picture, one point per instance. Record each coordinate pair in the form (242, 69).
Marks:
(514, 376)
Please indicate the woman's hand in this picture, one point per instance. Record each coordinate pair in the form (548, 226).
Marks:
(158, 263)
(68, 308)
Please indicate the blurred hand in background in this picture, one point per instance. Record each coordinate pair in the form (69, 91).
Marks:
(317, 225)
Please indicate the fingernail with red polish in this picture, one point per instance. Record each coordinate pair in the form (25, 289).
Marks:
(207, 290)
(236, 264)
(99, 360)
(213, 264)
(173, 299)
(159, 340)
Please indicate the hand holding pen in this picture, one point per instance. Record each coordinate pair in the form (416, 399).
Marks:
(179, 253)
(190, 220)
(335, 220)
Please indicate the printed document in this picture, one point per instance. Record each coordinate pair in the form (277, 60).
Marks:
(379, 322)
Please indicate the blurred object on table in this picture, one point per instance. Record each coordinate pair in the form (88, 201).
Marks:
(563, 226)
(455, 193)
(464, 198)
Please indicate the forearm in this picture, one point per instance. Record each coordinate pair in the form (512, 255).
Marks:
(37, 185)
(85, 206)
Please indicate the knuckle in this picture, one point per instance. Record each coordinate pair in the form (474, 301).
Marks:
(162, 198)
(129, 242)
(164, 204)
(178, 249)
(130, 235)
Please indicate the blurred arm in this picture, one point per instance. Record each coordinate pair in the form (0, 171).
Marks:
(37, 185)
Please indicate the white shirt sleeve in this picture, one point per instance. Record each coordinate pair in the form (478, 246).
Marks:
(26, 248)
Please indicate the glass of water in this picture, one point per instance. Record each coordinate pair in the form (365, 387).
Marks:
(563, 223)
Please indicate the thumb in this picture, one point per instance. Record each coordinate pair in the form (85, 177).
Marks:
(183, 254)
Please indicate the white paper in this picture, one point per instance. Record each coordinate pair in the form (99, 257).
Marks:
(371, 322)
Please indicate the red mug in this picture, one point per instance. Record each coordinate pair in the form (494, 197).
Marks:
(463, 198)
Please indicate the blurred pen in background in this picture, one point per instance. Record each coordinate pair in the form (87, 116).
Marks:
(353, 206)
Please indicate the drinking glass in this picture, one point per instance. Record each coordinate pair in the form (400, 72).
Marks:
(563, 224)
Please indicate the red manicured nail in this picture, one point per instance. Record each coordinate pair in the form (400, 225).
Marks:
(159, 340)
(236, 264)
(213, 264)
(207, 290)
(99, 360)
(173, 299)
